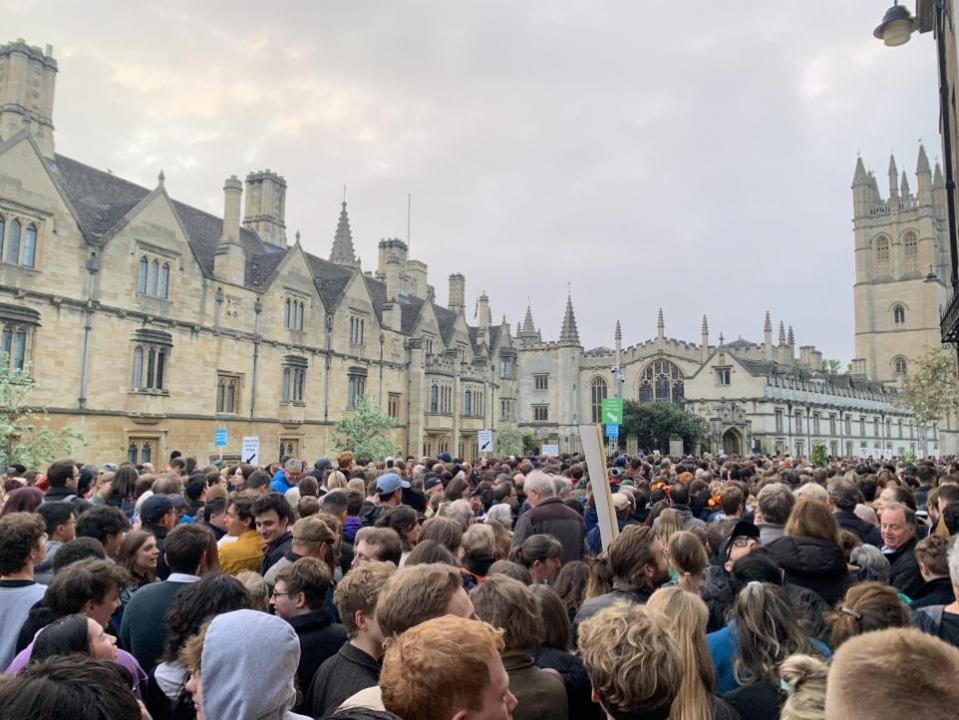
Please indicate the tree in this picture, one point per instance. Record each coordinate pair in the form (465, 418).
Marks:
(819, 456)
(653, 423)
(529, 444)
(364, 432)
(22, 439)
(831, 367)
(508, 441)
(930, 390)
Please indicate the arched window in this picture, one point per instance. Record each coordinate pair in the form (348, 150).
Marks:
(137, 368)
(13, 242)
(142, 277)
(286, 313)
(153, 279)
(30, 247)
(468, 402)
(164, 281)
(434, 398)
(882, 253)
(597, 393)
(661, 381)
(901, 365)
(19, 349)
(898, 315)
(910, 249)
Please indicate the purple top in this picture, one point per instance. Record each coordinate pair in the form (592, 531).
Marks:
(124, 660)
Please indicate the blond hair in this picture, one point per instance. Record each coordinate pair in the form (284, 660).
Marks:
(439, 667)
(479, 541)
(805, 676)
(668, 523)
(416, 594)
(812, 518)
(633, 663)
(258, 589)
(686, 616)
(359, 591)
(335, 480)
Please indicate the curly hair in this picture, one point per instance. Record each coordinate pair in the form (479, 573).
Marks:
(211, 595)
(805, 676)
(769, 631)
(20, 535)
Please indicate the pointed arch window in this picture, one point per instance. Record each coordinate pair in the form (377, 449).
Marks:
(883, 259)
(142, 276)
(286, 313)
(900, 365)
(898, 315)
(434, 398)
(153, 278)
(598, 390)
(468, 402)
(30, 247)
(910, 250)
(13, 242)
(164, 287)
(661, 381)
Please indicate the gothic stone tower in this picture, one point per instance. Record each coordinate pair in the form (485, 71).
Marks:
(901, 251)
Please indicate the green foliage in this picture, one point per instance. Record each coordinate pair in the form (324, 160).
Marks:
(909, 457)
(831, 367)
(930, 390)
(22, 439)
(508, 441)
(364, 431)
(819, 456)
(529, 444)
(653, 423)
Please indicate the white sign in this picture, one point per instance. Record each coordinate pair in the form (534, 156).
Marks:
(251, 451)
(551, 450)
(602, 496)
(485, 440)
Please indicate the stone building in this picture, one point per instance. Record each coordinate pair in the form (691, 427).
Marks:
(149, 323)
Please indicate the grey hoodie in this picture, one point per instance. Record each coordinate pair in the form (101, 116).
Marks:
(247, 669)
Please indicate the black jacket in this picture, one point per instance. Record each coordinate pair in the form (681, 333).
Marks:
(904, 570)
(60, 494)
(578, 687)
(320, 639)
(160, 533)
(865, 531)
(934, 592)
(812, 563)
(272, 554)
(552, 517)
(340, 677)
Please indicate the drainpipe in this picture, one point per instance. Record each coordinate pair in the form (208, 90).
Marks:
(257, 309)
(93, 267)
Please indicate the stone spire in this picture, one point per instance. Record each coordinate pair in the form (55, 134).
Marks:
(343, 252)
(791, 338)
(893, 178)
(922, 164)
(660, 325)
(705, 327)
(704, 345)
(923, 178)
(860, 177)
(768, 323)
(782, 334)
(528, 326)
(904, 185)
(569, 333)
(937, 180)
(619, 332)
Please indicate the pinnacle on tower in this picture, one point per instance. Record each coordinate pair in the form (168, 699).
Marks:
(343, 252)
(528, 326)
(660, 325)
(705, 328)
(922, 164)
(782, 334)
(791, 339)
(905, 185)
(619, 332)
(893, 177)
(768, 324)
(937, 180)
(860, 177)
(569, 333)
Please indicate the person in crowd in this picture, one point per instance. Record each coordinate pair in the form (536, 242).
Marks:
(144, 628)
(448, 668)
(844, 497)
(405, 522)
(893, 674)
(258, 483)
(123, 489)
(548, 515)
(23, 499)
(61, 523)
(637, 561)
(803, 677)
(382, 544)
(75, 686)
(79, 548)
(866, 607)
(158, 516)
(138, 556)
(633, 663)
(389, 494)
(943, 620)
(71, 634)
(258, 589)
(288, 477)
(570, 586)
(214, 516)
(226, 680)
(211, 595)
(312, 537)
(430, 551)
(63, 477)
(273, 518)
(688, 559)
(623, 507)
(716, 590)
(356, 665)
(932, 557)
(479, 548)
(510, 606)
(809, 551)
(541, 554)
(868, 564)
(104, 523)
(686, 615)
(299, 596)
(446, 532)
(898, 527)
(555, 653)
(23, 546)
(245, 550)
(774, 503)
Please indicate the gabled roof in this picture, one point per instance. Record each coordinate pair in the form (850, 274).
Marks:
(330, 279)
(446, 319)
(377, 291)
(411, 313)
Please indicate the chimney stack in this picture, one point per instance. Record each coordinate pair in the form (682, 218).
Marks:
(457, 300)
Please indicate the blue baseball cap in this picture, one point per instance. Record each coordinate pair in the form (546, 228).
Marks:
(389, 483)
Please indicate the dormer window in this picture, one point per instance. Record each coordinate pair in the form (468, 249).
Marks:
(153, 277)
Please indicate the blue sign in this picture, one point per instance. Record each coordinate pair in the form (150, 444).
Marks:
(219, 439)
(612, 431)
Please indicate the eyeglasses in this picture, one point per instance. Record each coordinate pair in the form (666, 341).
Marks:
(277, 594)
(743, 541)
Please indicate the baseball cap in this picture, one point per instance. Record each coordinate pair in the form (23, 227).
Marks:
(433, 482)
(620, 501)
(155, 507)
(389, 483)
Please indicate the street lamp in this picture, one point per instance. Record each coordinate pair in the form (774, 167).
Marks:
(896, 26)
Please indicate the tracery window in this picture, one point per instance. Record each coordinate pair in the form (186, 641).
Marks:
(151, 354)
(18, 241)
(898, 315)
(882, 253)
(598, 390)
(901, 365)
(910, 250)
(153, 277)
(661, 381)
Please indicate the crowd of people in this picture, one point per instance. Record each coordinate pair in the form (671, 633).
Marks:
(441, 589)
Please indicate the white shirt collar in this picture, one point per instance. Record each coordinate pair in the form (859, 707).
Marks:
(182, 578)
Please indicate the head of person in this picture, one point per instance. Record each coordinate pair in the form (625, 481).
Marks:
(72, 686)
(301, 588)
(226, 680)
(124, 481)
(446, 532)
(686, 616)
(404, 520)
(389, 489)
(633, 662)
(63, 474)
(159, 511)
(510, 606)
(732, 501)
(415, 594)
(570, 585)
(897, 523)
(687, 554)
(813, 519)
(259, 482)
(479, 542)
(775, 501)
(769, 631)
(373, 543)
(356, 597)
(22, 499)
(336, 503)
(448, 668)
(91, 587)
(844, 494)
(60, 520)
(313, 537)
(892, 674)
(511, 569)
(239, 513)
(430, 551)
(866, 607)
(871, 565)
(293, 470)
(23, 543)
(538, 487)
(932, 555)
(637, 559)
(105, 523)
(213, 594)
(804, 677)
(541, 554)
(139, 554)
(80, 548)
(273, 517)
(742, 540)
(71, 634)
(557, 632)
(895, 493)
(187, 549)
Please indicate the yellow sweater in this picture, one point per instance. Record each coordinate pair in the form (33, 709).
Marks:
(246, 553)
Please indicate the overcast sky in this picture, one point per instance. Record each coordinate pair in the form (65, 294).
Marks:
(695, 156)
